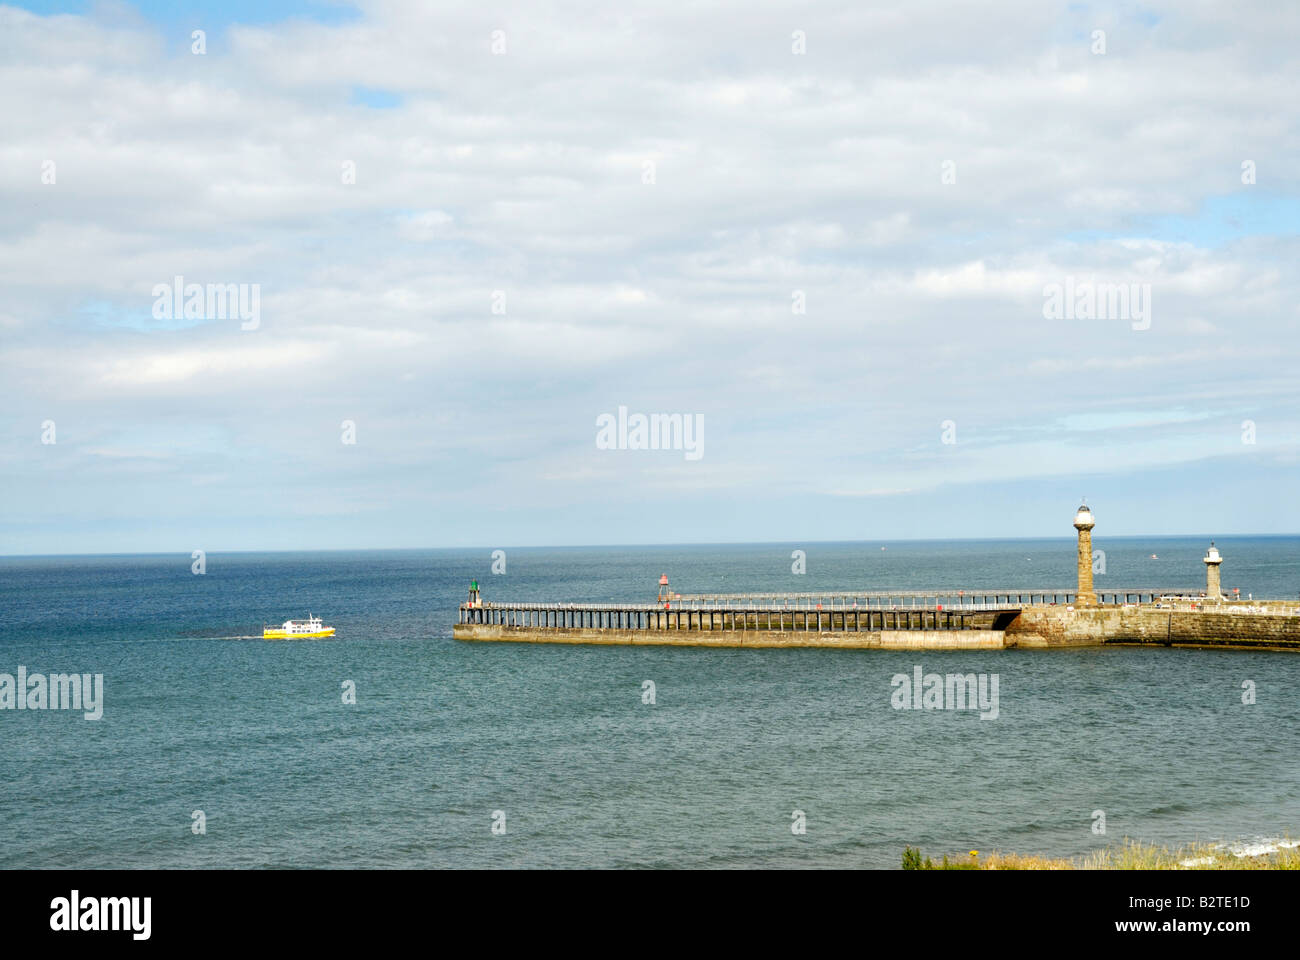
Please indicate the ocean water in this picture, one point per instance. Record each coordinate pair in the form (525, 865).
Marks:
(198, 715)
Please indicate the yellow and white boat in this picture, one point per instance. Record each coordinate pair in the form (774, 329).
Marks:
(308, 629)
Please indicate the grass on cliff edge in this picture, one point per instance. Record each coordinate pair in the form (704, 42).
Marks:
(1130, 855)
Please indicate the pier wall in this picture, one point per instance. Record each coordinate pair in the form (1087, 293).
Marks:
(1056, 627)
(756, 639)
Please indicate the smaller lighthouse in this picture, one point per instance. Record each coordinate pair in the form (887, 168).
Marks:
(1083, 522)
(664, 595)
(1213, 590)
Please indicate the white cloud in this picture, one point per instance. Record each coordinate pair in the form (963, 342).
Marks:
(524, 173)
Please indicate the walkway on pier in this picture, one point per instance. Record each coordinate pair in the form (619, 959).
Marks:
(653, 616)
(822, 612)
(1002, 599)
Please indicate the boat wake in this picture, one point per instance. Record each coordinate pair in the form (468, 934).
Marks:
(191, 637)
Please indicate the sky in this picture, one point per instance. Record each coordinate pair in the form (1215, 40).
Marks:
(827, 235)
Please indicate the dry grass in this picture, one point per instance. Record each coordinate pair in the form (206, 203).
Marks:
(1132, 855)
(1021, 861)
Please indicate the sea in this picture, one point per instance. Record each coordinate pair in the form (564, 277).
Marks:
(394, 745)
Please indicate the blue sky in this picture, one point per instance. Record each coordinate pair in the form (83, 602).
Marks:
(218, 13)
(473, 231)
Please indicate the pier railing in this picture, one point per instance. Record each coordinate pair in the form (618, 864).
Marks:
(822, 612)
(862, 612)
(1005, 599)
(654, 616)
(1204, 604)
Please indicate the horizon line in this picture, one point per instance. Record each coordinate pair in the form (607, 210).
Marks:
(588, 546)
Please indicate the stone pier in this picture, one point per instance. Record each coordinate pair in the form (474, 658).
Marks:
(977, 619)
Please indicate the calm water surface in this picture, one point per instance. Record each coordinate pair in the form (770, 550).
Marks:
(199, 716)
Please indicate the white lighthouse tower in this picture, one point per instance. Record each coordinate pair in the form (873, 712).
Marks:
(1213, 590)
